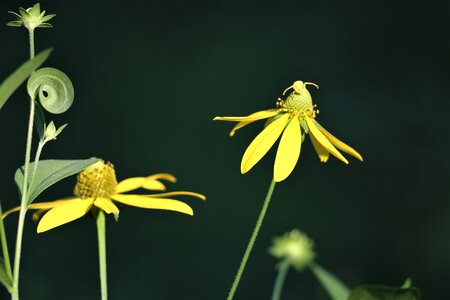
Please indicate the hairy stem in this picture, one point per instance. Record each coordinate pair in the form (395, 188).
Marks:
(251, 242)
(101, 232)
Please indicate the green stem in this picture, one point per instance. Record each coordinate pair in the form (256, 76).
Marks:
(102, 253)
(31, 35)
(279, 282)
(23, 205)
(23, 202)
(4, 242)
(251, 242)
(36, 159)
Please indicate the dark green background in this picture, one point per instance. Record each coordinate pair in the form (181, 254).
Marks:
(150, 76)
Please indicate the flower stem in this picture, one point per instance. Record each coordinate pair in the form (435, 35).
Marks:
(36, 159)
(102, 253)
(251, 242)
(23, 205)
(31, 35)
(279, 282)
(24, 199)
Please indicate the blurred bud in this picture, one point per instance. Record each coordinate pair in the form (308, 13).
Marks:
(31, 18)
(294, 248)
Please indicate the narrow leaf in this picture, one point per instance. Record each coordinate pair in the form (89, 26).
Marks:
(39, 120)
(334, 287)
(10, 84)
(378, 292)
(50, 172)
(407, 284)
(4, 278)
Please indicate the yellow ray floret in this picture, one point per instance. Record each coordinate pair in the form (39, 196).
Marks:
(292, 119)
(262, 143)
(318, 135)
(244, 121)
(97, 186)
(64, 213)
(154, 203)
(288, 151)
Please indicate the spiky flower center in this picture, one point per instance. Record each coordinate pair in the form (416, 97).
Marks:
(98, 180)
(299, 104)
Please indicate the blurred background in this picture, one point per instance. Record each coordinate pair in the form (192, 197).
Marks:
(150, 76)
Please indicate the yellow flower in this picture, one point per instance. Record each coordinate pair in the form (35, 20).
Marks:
(295, 116)
(97, 186)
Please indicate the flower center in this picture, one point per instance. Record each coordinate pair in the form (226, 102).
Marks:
(299, 104)
(98, 180)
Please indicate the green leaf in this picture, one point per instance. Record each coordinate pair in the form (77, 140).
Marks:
(39, 120)
(4, 277)
(378, 292)
(15, 24)
(10, 84)
(334, 287)
(50, 172)
(407, 284)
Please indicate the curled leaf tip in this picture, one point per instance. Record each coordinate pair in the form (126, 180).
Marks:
(53, 88)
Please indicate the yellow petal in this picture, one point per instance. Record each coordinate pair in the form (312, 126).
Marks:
(246, 122)
(339, 144)
(288, 151)
(323, 140)
(154, 203)
(262, 143)
(240, 125)
(63, 214)
(323, 154)
(130, 184)
(41, 205)
(178, 193)
(154, 185)
(259, 115)
(106, 205)
(165, 176)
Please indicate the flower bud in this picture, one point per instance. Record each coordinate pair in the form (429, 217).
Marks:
(31, 18)
(50, 131)
(294, 248)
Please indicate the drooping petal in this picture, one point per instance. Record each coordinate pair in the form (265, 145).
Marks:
(240, 125)
(40, 206)
(106, 205)
(323, 154)
(130, 184)
(154, 203)
(262, 143)
(246, 122)
(63, 214)
(323, 140)
(288, 151)
(177, 193)
(259, 115)
(153, 185)
(152, 182)
(164, 176)
(338, 143)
